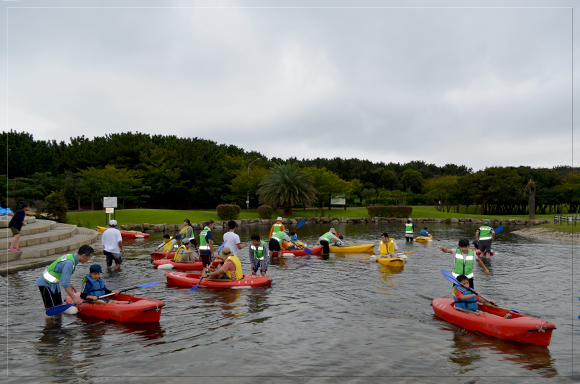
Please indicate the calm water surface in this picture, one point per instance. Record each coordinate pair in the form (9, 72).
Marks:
(322, 318)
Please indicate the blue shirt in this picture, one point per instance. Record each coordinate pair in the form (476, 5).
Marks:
(423, 233)
(64, 267)
(294, 238)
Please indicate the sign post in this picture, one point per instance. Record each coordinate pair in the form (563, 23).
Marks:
(338, 199)
(109, 203)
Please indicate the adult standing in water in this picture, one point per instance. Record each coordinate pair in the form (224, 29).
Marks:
(231, 238)
(464, 257)
(59, 273)
(113, 245)
(206, 244)
(327, 238)
(484, 235)
(409, 228)
(277, 227)
(259, 255)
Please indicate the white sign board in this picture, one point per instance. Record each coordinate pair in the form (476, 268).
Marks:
(338, 199)
(109, 210)
(110, 202)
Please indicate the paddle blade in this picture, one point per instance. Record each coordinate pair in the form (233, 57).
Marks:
(196, 286)
(221, 247)
(449, 276)
(301, 223)
(149, 284)
(165, 266)
(308, 251)
(52, 311)
(498, 229)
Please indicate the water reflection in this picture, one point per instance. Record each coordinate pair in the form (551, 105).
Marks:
(469, 346)
(55, 349)
(95, 329)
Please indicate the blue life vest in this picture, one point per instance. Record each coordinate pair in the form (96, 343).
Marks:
(97, 287)
(423, 233)
(470, 304)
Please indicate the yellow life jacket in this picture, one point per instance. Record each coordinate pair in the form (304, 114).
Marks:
(387, 248)
(179, 255)
(234, 259)
(169, 245)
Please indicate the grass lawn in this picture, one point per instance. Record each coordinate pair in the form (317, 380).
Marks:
(563, 227)
(159, 216)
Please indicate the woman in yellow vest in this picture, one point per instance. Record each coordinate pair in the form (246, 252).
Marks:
(230, 270)
(388, 246)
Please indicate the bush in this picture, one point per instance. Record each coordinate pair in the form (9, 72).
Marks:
(228, 211)
(389, 211)
(265, 212)
(56, 205)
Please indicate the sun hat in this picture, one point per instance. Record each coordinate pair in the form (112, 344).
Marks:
(113, 223)
(332, 230)
(287, 230)
(279, 218)
(95, 268)
(226, 251)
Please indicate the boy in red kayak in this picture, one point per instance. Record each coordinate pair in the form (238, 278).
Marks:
(467, 300)
(94, 286)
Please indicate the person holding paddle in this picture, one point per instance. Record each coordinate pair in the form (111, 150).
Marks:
(466, 300)
(230, 270)
(59, 273)
(485, 234)
(94, 286)
(464, 261)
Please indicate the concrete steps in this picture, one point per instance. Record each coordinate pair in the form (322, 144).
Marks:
(42, 240)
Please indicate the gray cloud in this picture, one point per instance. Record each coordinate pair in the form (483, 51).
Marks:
(479, 87)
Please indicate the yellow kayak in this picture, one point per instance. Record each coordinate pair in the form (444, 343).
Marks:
(424, 239)
(355, 248)
(391, 261)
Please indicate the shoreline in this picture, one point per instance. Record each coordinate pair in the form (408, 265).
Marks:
(548, 233)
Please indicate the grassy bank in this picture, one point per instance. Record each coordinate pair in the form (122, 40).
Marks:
(159, 216)
(563, 227)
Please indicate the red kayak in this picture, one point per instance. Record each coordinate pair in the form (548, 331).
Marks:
(188, 280)
(520, 327)
(478, 252)
(140, 310)
(161, 255)
(128, 234)
(195, 266)
(317, 250)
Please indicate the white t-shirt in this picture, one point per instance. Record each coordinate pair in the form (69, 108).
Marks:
(111, 238)
(232, 240)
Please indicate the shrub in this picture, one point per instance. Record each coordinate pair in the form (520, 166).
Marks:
(228, 211)
(265, 212)
(389, 211)
(56, 205)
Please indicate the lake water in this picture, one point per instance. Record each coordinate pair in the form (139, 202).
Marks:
(322, 320)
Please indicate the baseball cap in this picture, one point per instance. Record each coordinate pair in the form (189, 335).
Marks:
(186, 241)
(178, 237)
(113, 223)
(95, 268)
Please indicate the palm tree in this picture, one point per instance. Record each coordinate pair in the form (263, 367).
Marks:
(286, 185)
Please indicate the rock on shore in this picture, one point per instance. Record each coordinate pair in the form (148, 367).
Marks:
(548, 233)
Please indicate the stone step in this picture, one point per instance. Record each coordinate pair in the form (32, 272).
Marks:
(29, 229)
(60, 232)
(60, 247)
(5, 220)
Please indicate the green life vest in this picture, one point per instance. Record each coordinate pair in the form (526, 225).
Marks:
(279, 236)
(485, 232)
(409, 228)
(203, 244)
(259, 250)
(277, 227)
(463, 269)
(52, 277)
(326, 237)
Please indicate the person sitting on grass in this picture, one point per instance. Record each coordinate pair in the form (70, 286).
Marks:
(184, 253)
(467, 300)
(230, 270)
(94, 286)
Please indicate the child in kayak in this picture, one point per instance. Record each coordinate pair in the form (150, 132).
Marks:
(294, 238)
(424, 232)
(342, 244)
(467, 300)
(184, 253)
(167, 244)
(94, 286)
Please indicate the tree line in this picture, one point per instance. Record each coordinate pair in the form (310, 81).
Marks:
(165, 171)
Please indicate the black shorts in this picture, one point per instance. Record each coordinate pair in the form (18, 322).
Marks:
(111, 257)
(325, 246)
(206, 260)
(50, 299)
(485, 246)
(274, 245)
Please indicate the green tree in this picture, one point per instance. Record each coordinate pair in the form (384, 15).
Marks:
(56, 205)
(570, 191)
(286, 185)
(245, 183)
(412, 180)
(442, 190)
(327, 183)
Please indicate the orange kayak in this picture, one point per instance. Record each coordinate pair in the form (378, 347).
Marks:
(141, 309)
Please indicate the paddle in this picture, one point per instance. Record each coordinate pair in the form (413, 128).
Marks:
(61, 308)
(196, 286)
(301, 223)
(498, 229)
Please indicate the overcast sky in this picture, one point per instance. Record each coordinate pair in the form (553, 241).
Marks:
(474, 86)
